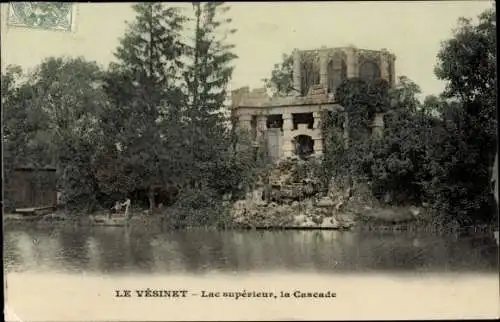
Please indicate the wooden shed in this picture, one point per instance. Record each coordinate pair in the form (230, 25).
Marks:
(33, 187)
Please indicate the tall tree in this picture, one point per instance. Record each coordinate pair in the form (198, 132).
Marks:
(467, 62)
(70, 92)
(144, 90)
(207, 76)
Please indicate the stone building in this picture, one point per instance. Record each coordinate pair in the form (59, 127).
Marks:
(291, 124)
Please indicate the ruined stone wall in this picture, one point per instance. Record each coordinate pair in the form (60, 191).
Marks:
(328, 67)
(316, 74)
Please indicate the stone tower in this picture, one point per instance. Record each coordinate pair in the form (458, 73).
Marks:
(291, 124)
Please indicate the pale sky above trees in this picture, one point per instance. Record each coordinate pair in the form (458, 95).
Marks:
(411, 30)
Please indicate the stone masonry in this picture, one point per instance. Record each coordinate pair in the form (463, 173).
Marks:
(295, 119)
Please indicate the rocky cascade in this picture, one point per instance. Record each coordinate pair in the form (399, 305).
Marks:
(292, 196)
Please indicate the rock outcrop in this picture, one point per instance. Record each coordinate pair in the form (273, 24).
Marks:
(292, 197)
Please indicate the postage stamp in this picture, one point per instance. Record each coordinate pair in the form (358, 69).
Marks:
(40, 14)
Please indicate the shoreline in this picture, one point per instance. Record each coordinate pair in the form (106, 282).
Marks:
(145, 221)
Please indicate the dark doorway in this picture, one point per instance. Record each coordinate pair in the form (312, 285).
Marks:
(304, 146)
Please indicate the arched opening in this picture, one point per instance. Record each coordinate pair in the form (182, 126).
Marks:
(369, 71)
(310, 76)
(337, 72)
(304, 146)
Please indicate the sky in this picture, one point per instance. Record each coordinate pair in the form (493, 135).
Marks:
(413, 31)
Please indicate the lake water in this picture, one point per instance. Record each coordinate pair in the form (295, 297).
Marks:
(71, 274)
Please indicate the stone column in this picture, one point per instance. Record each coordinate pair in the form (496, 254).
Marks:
(352, 62)
(287, 122)
(261, 126)
(318, 147)
(378, 125)
(323, 67)
(317, 120)
(288, 146)
(296, 72)
(384, 65)
(245, 122)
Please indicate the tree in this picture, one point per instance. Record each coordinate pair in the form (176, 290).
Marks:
(207, 75)
(144, 90)
(50, 121)
(20, 140)
(23, 122)
(70, 91)
(396, 164)
(405, 95)
(467, 62)
(281, 81)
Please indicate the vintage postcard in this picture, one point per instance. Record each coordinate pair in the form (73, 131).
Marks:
(229, 161)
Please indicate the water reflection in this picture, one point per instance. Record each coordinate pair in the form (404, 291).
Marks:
(118, 249)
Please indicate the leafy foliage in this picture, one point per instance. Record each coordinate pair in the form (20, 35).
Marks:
(281, 81)
(467, 62)
(50, 120)
(361, 101)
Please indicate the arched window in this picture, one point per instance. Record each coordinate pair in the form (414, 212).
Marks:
(310, 75)
(369, 71)
(337, 72)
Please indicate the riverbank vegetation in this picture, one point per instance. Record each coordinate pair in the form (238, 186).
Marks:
(152, 125)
